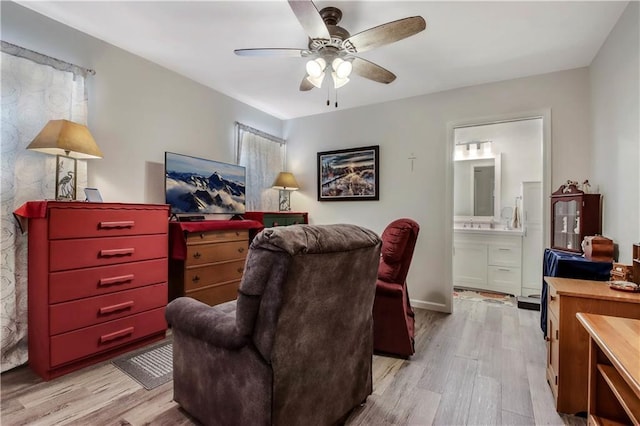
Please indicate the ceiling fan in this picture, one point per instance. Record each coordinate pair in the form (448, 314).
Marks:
(331, 48)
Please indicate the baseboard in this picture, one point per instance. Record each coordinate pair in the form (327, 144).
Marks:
(431, 306)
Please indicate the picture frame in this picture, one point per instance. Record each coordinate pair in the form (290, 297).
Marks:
(351, 174)
(66, 177)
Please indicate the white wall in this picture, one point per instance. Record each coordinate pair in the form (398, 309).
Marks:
(137, 110)
(615, 120)
(418, 127)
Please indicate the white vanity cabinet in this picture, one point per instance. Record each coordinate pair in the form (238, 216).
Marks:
(488, 259)
(470, 264)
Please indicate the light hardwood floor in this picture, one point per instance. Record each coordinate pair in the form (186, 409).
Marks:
(482, 365)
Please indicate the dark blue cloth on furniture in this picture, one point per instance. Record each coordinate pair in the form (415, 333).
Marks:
(568, 265)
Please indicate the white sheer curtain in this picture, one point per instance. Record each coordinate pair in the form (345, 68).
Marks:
(35, 89)
(264, 157)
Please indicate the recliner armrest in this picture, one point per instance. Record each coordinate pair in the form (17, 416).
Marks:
(208, 323)
(389, 289)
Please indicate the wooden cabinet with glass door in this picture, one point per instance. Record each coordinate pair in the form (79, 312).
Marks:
(574, 215)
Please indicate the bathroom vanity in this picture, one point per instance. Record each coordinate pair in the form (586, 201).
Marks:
(488, 258)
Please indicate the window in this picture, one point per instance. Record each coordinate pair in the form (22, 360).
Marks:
(264, 157)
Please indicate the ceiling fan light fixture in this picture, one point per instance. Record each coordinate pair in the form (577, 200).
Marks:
(342, 68)
(315, 68)
(338, 82)
(316, 81)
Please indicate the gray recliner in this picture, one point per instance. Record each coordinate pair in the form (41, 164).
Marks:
(296, 347)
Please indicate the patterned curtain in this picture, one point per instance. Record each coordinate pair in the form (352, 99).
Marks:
(35, 89)
(264, 157)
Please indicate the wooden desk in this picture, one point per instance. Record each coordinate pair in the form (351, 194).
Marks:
(567, 340)
(614, 369)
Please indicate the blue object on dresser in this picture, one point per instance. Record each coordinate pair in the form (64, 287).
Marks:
(558, 263)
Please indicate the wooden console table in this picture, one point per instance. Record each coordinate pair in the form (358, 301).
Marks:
(614, 369)
(207, 258)
(284, 218)
(567, 340)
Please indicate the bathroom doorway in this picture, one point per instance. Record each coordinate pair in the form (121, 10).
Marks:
(519, 145)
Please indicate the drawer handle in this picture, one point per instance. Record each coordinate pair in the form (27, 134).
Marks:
(241, 250)
(240, 270)
(195, 279)
(551, 298)
(504, 269)
(196, 255)
(547, 338)
(504, 249)
(116, 335)
(115, 308)
(120, 224)
(201, 235)
(116, 252)
(115, 280)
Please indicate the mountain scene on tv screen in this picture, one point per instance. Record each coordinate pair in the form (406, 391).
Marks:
(192, 192)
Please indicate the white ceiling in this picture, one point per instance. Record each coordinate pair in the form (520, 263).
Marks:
(465, 43)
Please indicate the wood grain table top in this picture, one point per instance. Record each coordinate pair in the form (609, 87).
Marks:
(591, 289)
(619, 339)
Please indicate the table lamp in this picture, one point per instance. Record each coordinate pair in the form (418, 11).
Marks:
(286, 183)
(68, 141)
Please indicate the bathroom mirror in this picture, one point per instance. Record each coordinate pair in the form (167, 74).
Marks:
(476, 193)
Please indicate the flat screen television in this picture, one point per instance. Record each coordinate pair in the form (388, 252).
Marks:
(199, 186)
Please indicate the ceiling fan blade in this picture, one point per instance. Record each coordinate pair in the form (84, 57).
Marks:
(284, 52)
(305, 85)
(310, 19)
(387, 33)
(374, 72)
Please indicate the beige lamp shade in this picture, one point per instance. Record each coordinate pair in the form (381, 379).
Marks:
(64, 137)
(285, 180)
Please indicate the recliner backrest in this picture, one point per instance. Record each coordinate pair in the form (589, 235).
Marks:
(398, 243)
(284, 257)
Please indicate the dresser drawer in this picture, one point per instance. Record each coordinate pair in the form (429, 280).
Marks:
(217, 236)
(82, 313)
(217, 294)
(83, 223)
(210, 253)
(205, 276)
(505, 255)
(87, 252)
(79, 283)
(77, 344)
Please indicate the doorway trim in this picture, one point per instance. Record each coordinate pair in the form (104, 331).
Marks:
(545, 115)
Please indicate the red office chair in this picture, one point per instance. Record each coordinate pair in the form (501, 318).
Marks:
(393, 317)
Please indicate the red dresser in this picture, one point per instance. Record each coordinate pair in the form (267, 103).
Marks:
(97, 281)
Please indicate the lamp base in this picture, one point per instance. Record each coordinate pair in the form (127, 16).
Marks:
(66, 172)
(284, 200)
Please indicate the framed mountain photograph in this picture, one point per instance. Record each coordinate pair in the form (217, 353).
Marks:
(349, 174)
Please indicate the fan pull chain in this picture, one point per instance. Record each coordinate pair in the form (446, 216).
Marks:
(336, 98)
(328, 95)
